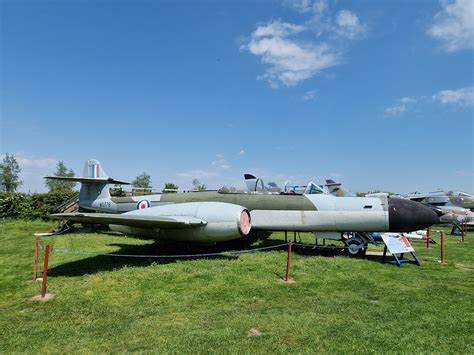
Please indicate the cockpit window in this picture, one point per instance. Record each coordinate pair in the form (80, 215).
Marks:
(313, 189)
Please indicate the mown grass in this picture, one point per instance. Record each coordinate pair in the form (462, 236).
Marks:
(337, 304)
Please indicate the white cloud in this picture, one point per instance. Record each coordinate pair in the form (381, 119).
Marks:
(395, 110)
(277, 29)
(242, 152)
(349, 25)
(308, 6)
(402, 105)
(462, 97)
(454, 25)
(408, 100)
(291, 61)
(294, 52)
(35, 162)
(309, 95)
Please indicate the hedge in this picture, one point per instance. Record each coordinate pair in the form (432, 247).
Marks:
(32, 206)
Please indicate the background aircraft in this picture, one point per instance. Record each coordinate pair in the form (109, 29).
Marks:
(442, 198)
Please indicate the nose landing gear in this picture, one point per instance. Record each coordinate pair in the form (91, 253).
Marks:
(356, 247)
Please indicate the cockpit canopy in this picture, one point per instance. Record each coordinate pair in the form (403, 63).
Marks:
(310, 189)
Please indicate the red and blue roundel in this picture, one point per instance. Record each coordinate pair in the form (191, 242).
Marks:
(143, 204)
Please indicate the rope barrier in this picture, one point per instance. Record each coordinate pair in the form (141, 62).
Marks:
(182, 256)
(314, 246)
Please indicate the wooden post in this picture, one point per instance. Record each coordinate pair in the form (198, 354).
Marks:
(442, 247)
(463, 230)
(288, 261)
(428, 237)
(35, 264)
(45, 271)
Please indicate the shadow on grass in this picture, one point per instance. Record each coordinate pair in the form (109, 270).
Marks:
(132, 255)
(135, 255)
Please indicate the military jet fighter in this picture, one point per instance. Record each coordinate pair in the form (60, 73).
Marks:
(454, 205)
(215, 216)
(442, 198)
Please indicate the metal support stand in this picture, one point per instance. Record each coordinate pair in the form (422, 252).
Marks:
(400, 260)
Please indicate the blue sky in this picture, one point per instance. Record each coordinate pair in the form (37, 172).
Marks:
(377, 94)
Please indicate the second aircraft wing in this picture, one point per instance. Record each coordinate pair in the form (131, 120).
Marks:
(168, 222)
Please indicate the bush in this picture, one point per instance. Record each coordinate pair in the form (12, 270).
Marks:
(32, 206)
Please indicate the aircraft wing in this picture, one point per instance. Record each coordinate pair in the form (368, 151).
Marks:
(168, 222)
(83, 180)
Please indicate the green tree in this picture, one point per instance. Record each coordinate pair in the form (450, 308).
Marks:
(117, 191)
(170, 186)
(10, 174)
(142, 181)
(59, 185)
(198, 186)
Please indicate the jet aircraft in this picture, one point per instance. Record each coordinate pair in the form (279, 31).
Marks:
(215, 216)
(442, 198)
(453, 213)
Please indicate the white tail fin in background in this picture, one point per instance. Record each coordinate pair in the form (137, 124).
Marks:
(336, 189)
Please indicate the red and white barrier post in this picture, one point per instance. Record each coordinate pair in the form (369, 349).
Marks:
(442, 247)
(45, 271)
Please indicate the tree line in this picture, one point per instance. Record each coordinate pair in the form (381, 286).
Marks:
(10, 178)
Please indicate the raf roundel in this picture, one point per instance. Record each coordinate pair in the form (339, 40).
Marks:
(143, 204)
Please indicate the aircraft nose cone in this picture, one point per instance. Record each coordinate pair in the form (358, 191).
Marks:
(407, 216)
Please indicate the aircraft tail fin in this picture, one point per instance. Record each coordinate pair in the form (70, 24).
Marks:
(94, 183)
(336, 189)
(93, 169)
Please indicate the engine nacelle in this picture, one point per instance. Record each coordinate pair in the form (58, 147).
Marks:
(224, 221)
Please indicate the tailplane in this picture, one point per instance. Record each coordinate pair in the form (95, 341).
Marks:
(94, 183)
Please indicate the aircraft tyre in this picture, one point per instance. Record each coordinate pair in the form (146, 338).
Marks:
(355, 248)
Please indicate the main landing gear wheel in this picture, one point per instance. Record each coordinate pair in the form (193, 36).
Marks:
(356, 248)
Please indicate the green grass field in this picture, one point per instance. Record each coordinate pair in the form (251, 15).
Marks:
(337, 304)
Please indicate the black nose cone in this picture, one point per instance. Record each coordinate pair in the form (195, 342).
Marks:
(407, 216)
